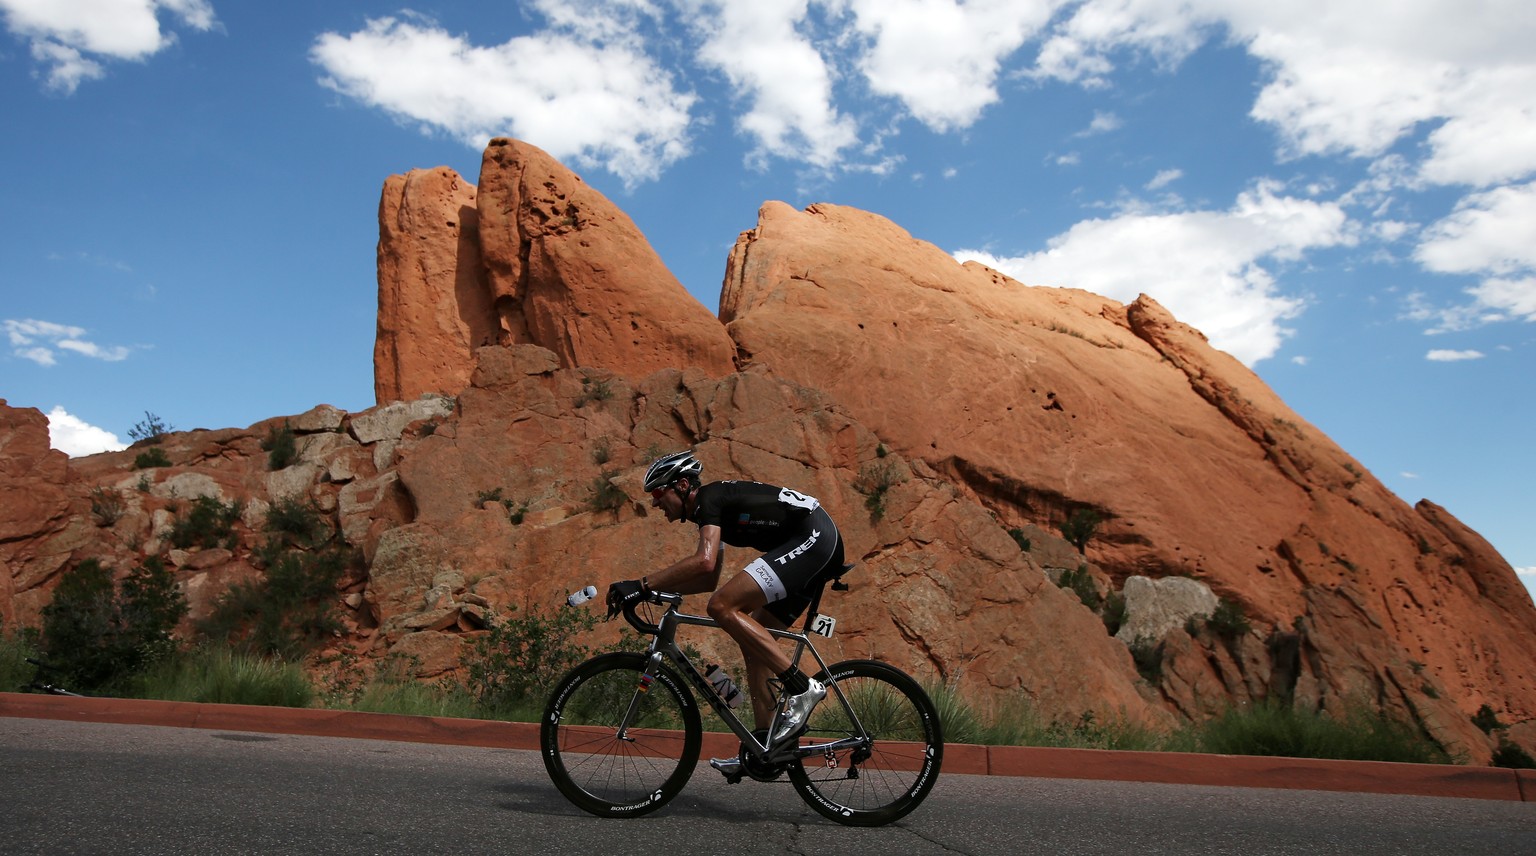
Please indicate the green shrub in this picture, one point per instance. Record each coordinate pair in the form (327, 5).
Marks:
(298, 523)
(1228, 621)
(1357, 733)
(107, 506)
(594, 390)
(15, 648)
(281, 447)
(1147, 654)
(208, 523)
(221, 676)
(512, 668)
(604, 494)
(1080, 526)
(1080, 583)
(1019, 538)
(875, 481)
(1512, 756)
(97, 635)
(154, 457)
(152, 429)
(1486, 719)
(1113, 613)
(285, 614)
(515, 511)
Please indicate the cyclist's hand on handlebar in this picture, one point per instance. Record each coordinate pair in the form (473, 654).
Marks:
(622, 594)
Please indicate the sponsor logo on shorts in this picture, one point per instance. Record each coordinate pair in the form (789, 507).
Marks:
(809, 543)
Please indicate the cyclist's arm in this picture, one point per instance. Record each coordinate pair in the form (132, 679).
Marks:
(697, 573)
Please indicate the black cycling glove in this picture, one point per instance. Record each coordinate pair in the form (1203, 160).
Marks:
(622, 594)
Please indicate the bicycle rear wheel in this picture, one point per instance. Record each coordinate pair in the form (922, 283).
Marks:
(882, 783)
(591, 765)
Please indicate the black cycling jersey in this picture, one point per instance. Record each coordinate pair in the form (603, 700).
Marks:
(750, 514)
(797, 538)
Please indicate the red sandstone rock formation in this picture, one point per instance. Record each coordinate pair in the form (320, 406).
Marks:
(539, 258)
(434, 305)
(877, 372)
(1041, 401)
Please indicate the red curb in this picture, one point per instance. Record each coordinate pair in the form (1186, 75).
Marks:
(1178, 768)
(1181, 768)
(1527, 780)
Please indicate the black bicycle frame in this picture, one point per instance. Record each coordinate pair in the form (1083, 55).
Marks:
(664, 644)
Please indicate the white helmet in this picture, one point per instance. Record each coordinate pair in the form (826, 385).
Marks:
(669, 468)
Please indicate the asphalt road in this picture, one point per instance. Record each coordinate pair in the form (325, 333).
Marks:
(84, 788)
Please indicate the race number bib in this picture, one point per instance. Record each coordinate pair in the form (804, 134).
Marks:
(798, 500)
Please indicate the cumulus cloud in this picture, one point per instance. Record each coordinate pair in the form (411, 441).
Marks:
(39, 341)
(779, 73)
(75, 437)
(941, 58)
(1447, 356)
(597, 102)
(1338, 80)
(1207, 267)
(1459, 79)
(1164, 178)
(1489, 235)
(69, 39)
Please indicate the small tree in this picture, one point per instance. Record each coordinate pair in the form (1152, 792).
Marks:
(1080, 526)
(152, 428)
(97, 635)
(281, 447)
(521, 658)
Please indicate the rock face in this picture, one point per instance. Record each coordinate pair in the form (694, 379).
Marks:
(1193, 464)
(531, 256)
(1216, 548)
(434, 305)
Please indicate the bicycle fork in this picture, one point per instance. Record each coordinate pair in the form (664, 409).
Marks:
(647, 677)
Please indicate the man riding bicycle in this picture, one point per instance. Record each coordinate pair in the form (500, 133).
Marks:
(798, 541)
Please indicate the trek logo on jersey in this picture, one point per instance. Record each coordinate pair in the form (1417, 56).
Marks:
(809, 543)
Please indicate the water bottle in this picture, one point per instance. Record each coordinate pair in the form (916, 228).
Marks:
(725, 688)
(577, 598)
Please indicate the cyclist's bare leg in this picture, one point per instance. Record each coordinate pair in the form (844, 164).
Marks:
(735, 606)
(758, 674)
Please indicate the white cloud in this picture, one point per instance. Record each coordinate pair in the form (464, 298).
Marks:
(1341, 79)
(942, 58)
(1164, 178)
(779, 73)
(74, 437)
(1528, 577)
(1444, 356)
(1078, 49)
(1102, 123)
(38, 340)
(1207, 267)
(62, 34)
(1489, 234)
(598, 103)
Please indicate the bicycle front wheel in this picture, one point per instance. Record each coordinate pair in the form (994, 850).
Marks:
(882, 782)
(603, 771)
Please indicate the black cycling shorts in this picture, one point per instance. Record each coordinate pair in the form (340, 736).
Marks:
(791, 573)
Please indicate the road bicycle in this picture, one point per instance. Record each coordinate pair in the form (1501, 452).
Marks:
(41, 683)
(621, 734)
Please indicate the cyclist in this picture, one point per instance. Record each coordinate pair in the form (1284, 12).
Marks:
(797, 539)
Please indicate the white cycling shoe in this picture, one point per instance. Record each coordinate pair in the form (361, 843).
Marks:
(797, 712)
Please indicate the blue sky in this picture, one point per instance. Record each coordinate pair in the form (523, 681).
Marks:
(1344, 199)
